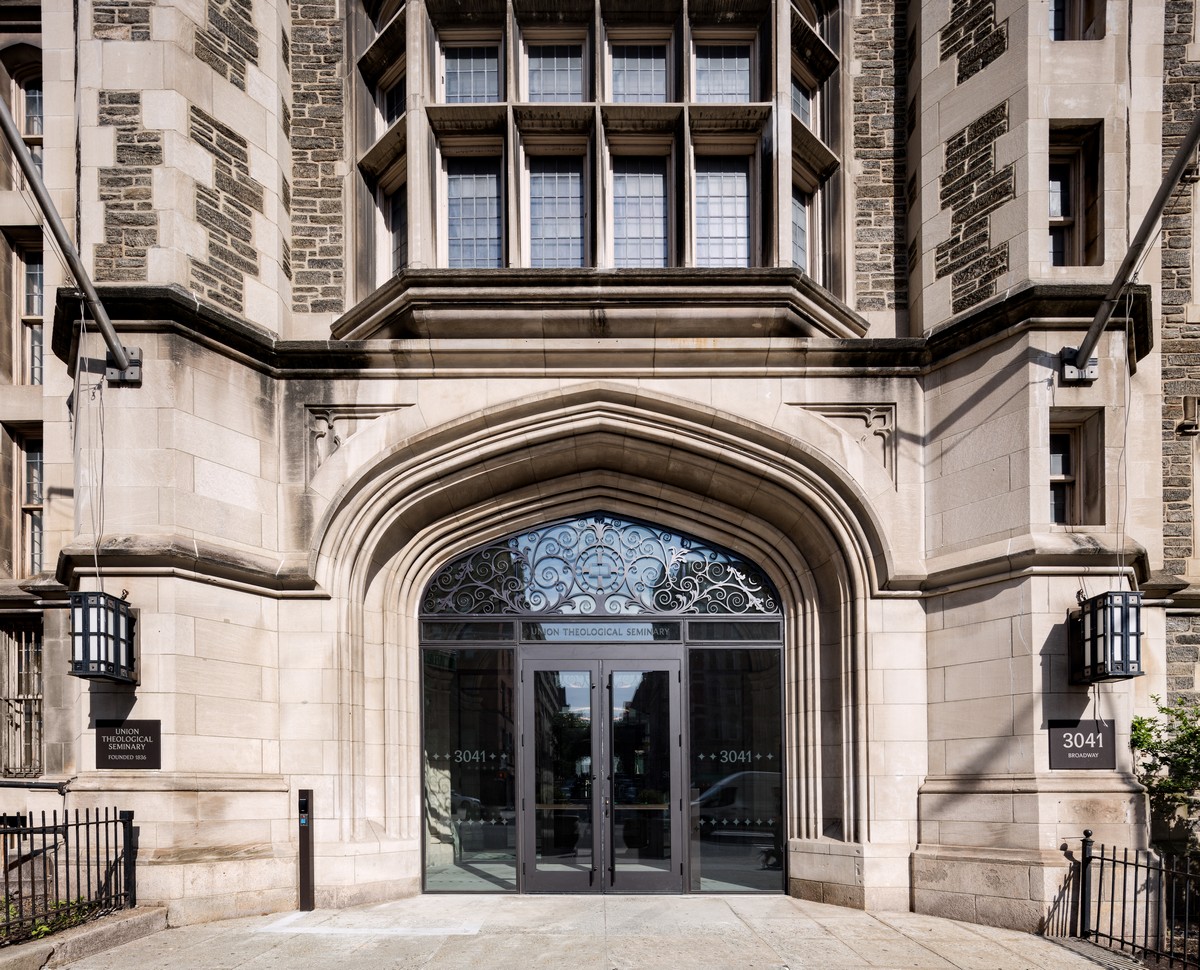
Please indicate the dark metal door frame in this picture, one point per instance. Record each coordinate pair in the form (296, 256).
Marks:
(600, 662)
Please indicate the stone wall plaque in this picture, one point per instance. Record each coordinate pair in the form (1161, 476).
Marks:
(128, 744)
(1076, 745)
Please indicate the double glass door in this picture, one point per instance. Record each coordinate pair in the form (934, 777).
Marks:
(602, 799)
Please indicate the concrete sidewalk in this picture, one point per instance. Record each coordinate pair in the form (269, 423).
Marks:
(589, 933)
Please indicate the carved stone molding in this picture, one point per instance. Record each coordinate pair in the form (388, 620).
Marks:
(873, 425)
(331, 424)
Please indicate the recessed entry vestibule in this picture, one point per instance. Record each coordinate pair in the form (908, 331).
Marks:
(602, 712)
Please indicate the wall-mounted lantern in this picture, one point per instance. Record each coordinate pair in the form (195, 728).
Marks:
(1106, 638)
(102, 637)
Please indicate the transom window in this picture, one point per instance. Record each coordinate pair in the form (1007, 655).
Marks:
(555, 72)
(472, 73)
(639, 72)
(722, 72)
(601, 565)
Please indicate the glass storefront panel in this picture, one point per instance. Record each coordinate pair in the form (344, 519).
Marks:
(470, 786)
(737, 819)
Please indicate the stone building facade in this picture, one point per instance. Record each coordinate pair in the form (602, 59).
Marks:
(599, 446)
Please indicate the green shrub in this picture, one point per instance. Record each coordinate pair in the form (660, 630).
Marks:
(1167, 762)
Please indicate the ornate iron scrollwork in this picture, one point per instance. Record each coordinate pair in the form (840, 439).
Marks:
(600, 565)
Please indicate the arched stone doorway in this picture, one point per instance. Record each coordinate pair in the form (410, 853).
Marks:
(602, 711)
(409, 501)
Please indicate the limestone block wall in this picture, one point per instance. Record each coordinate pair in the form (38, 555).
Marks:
(184, 154)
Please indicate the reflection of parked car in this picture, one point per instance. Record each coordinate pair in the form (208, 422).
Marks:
(746, 801)
(470, 807)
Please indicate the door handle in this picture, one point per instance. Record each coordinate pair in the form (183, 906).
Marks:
(612, 838)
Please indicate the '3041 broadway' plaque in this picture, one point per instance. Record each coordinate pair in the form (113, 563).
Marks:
(1083, 744)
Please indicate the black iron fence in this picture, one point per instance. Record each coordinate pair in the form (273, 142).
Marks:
(1140, 903)
(64, 872)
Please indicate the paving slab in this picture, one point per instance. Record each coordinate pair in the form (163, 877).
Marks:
(589, 933)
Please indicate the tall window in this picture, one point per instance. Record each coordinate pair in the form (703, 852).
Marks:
(31, 312)
(640, 211)
(31, 506)
(474, 231)
(801, 203)
(555, 72)
(639, 72)
(722, 210)
(722, 72)
(1076, 466)
(398, 226)
(1062, 212)
(472, 74)
(556, 210)
(32, 115)
(1063, 505)
(21, 704)
(1073, 182)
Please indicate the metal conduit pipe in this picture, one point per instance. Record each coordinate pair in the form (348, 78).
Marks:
(34, 179)
(1138, 246)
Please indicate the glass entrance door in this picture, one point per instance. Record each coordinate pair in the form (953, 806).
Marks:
(602, 796)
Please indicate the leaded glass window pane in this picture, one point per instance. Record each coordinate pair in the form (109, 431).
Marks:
(556, 72)
(473, 223)
(639, 72)
(472, 74)
(800, 202)
(556, 210)
(722, 72)
(639, 211)
(722, 210)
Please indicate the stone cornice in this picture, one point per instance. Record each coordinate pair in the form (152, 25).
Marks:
(178, 554)
(543, 342)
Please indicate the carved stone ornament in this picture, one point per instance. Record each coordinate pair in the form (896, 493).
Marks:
(872, 425)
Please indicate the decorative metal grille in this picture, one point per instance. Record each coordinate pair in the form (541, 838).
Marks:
(601, 565)
(21, 703)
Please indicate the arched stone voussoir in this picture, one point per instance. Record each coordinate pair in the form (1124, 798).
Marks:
(571, 438)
